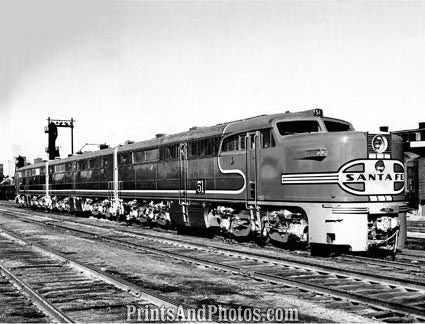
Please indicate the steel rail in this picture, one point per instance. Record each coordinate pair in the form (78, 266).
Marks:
(114, 280)
(296, 261)
(382, 304)
(382, 278)
(389, 306)
(109, 278)
(403, 255)
(369, 260)
(257, 275)
(36, 298)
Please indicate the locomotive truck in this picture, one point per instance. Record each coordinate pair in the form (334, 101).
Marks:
(288, 178)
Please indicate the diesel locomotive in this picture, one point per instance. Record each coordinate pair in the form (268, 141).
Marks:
(7, 190)
(287, 178)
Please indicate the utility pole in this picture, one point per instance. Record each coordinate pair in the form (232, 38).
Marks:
(72, 136)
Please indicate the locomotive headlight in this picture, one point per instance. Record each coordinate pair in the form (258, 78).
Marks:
(380, 166)
(379, 144)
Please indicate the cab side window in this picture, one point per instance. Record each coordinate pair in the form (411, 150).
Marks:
(234, 143)
(94, 163)
(170, 152)
(148, 155)
(124, 158)
(82, 164)
(204, 147)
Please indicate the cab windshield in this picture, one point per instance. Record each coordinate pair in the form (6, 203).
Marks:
(335, 126)
(298, 126)
(311, 126)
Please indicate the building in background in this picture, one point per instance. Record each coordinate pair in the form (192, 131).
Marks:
(414, 148)
(11, 167)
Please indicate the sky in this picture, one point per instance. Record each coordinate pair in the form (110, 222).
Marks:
(126, 70)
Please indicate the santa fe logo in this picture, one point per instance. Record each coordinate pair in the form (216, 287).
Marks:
(359, 177)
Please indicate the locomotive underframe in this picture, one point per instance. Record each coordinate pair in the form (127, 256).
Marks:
(377, 224)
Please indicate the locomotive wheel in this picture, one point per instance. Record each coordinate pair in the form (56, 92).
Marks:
(261, 240)
(110, 216)
(122, 218)
(163, 223)
(242, 236)
(293, 242)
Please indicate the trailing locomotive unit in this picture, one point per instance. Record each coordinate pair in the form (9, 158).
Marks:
(292, 177)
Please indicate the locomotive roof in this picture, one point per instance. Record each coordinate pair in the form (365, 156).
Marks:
(242, 125)
(265, 121)
(194, 133)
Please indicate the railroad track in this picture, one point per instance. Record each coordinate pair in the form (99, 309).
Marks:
(17, 305)
(393, 300)
(416, 241)
(419, 256)
(416, 234)
(410, 268)
(407, 272)
(413, 257)
(64, 289)
(409, 259)
(416, 225)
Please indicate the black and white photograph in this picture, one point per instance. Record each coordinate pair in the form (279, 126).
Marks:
(212, 161)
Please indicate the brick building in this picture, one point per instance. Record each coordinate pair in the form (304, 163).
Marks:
(414, 147)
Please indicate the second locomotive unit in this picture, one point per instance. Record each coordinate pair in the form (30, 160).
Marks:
(289, 177)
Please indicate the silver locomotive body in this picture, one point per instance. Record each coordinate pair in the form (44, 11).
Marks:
(290, 178)
(321, 177)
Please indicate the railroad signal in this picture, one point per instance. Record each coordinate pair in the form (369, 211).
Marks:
(20, 162)
(52, 130)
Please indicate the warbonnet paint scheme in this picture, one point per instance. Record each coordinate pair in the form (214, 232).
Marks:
(289, 178)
